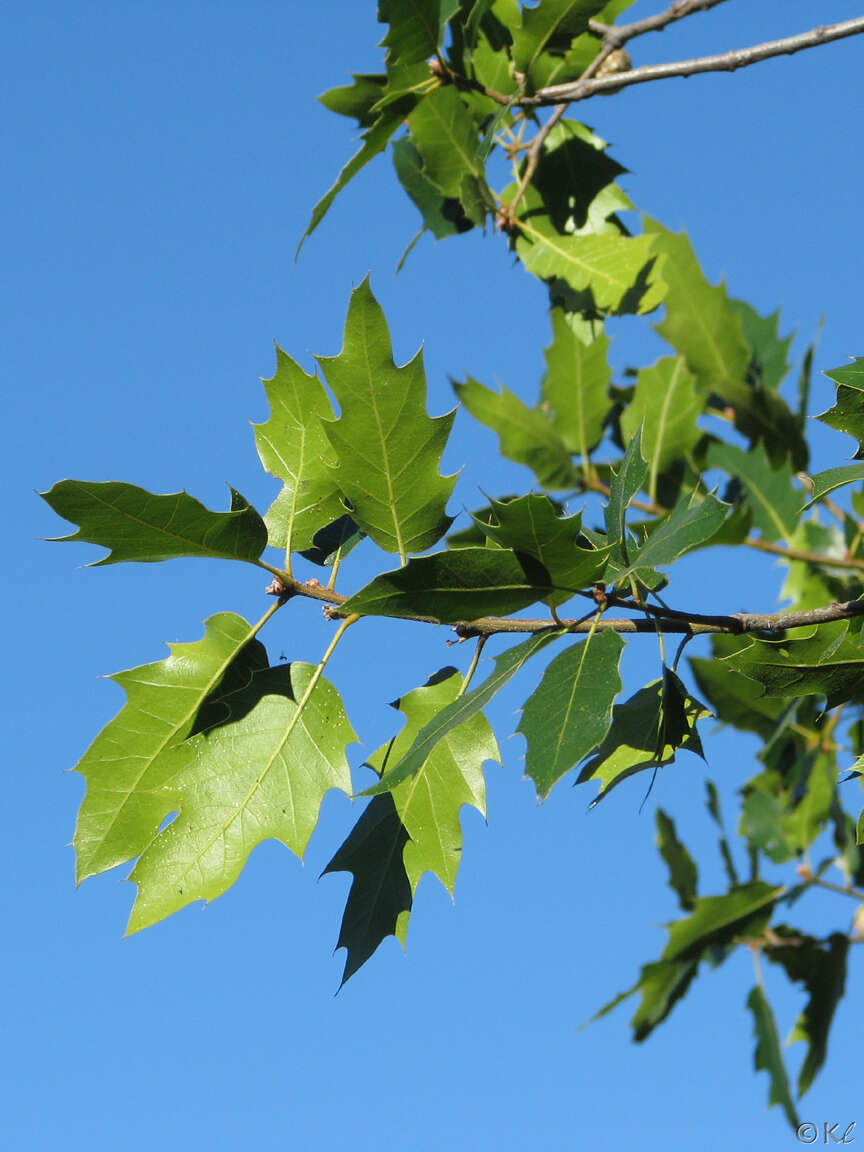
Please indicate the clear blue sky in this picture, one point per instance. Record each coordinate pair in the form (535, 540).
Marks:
(161, 162)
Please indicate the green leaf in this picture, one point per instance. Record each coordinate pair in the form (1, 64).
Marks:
(850, 375)
(333, 542)
(531, 526)
(683, 874)
(374, 141)
(768, 364)
(732, 698)
(430, 802)
(821, 968)
(690, 524)
(717, 920)
(441, 216)
(357, 100)
(624, 485)
(551, 24)
(416, 27)
(260, 775)
(458, 585)
(847, 415)
(380, 891)
(707, 328)
(293, 447)
(388, 449)
(807, 667)
(126, 763)
(775, 502)
(666, 407)
(643, 737)
(831, 479)
(576, 385)
(569, 714)
(507, 664)
(662, 984)
(444, 133)
(609, 265)
(572, 172)
(525, 434)
(768, 1056)
(700, 321)
(712, 803)
(137, 525)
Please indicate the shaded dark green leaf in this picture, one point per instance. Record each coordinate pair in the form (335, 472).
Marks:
(380, 889)
(768, 1056)
(821, 967)
(683, 874)
(458, 585)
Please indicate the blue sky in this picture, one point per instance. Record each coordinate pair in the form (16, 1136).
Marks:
(162, 161)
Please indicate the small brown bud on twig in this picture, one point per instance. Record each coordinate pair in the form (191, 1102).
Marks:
(331, 612)
(617, 61)
(277, 588)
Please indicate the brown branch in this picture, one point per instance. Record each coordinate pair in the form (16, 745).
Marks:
(583, 89)
(668, 620)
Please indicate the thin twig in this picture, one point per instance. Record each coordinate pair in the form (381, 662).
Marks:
(668, 620)
(621, 33)
(583, 89)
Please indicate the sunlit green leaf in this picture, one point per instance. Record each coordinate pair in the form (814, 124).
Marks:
(569, 713)
(293, 447)
(768, 364)
(260, 776)
(507, 664)
(388, 449)
(134, 524)
(428, 804)
(442, 216)
(625, 483)
(666, 407)
(716, 920)
(576, 385)
(525, 434)
(445, 135)
(609, 265)
(357, 99)
(775, 502)
(706, 327)
(126, 763)
(416, 27)
(691, 524)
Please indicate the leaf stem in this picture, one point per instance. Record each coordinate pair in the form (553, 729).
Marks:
(472, 667)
